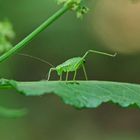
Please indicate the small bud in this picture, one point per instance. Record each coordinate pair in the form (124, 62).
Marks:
(81, 11)
(6, 29)
(75, 6)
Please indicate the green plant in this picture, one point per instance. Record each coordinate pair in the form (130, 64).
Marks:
(80, 94)
(6, 35)
(74, 5)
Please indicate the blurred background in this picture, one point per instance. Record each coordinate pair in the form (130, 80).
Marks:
(110, 26)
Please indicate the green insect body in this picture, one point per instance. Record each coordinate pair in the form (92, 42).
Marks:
(70, 65)
(73, 64)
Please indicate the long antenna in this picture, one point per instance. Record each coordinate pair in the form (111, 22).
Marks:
(98, 52)
(36, 58)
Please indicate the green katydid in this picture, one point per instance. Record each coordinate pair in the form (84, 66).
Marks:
(71, 65)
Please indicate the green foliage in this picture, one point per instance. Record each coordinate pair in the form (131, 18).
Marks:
(76, 5)
(8, 112)
(77, 2)
(6, 35)
(81, 11)
(81, 94)
(12, 113)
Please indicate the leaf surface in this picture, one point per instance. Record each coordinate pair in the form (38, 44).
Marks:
(81, 94)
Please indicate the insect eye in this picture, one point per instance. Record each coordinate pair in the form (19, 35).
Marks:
(84, 61)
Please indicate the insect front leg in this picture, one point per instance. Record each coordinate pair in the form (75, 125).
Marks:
(85, 73)
(49, 74)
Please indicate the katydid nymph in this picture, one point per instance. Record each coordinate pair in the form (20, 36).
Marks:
(71, 65)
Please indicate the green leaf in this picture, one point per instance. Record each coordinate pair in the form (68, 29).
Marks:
(12, 113)
(8, 112)
(81, 94)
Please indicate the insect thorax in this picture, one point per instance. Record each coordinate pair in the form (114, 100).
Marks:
(70, 65)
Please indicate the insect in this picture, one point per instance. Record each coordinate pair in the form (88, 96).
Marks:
(70, 65)
(73, 65)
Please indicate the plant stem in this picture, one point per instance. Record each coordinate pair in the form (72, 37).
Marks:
(32, 35)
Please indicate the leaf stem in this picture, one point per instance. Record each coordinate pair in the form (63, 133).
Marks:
(32, 35)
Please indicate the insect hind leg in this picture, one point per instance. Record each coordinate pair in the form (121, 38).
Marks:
(85, 73)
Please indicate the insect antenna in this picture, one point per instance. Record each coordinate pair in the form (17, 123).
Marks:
(98, 52)
(37, 58)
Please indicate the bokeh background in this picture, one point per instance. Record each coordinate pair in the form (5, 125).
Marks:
(111, 26)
